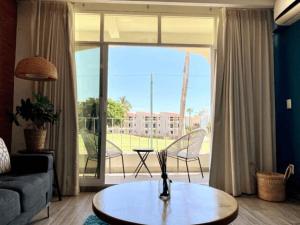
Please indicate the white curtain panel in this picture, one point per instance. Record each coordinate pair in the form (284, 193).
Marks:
(57, 45)
(243, 101)
(24, 48)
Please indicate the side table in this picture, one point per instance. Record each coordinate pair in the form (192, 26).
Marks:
(52, 152)
(143, 153)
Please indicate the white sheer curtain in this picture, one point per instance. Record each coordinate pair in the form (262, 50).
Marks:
(56, 44)
(243, 100)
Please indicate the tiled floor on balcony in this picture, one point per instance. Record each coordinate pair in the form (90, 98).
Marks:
(117, 178)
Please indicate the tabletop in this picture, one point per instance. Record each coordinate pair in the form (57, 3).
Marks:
(143, 150)
(138, 203)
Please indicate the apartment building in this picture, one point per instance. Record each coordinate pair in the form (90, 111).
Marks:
(163, 124)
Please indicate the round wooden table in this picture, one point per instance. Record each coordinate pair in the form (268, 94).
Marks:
(138, 203)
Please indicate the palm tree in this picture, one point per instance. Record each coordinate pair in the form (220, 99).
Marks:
(186, 72)
(126, 104)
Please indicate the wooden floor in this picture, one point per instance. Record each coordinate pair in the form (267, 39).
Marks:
(252, 211)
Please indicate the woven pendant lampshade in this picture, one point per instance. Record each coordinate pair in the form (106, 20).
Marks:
(36, 68)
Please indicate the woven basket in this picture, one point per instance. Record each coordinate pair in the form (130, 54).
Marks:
(35, 139)
(271, 186)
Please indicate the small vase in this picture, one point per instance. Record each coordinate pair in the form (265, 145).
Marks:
(164, 187)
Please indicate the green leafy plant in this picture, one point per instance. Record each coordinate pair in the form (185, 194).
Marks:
(38, 112)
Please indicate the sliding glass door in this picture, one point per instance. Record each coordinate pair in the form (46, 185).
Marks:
(88, 56)
(105, 44)
(155, 95)
(88, 86)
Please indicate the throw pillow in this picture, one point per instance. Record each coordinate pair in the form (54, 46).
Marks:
(4, 158)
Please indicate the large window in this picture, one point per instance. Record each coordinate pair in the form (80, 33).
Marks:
(112, 60)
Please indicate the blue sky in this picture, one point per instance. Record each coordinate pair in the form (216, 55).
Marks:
(129, 75)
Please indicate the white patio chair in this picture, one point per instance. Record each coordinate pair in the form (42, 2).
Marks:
(187, 148)
(91, 144)
(112, 151)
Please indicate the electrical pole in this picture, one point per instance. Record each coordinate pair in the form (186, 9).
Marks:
(185, 81)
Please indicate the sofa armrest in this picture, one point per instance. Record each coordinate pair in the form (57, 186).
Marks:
(31, 163)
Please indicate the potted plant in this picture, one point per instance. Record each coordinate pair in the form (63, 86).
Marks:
(36, 114)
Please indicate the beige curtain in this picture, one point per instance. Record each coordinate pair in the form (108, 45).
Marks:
(24, 48)
(57, 45)
(243, 101)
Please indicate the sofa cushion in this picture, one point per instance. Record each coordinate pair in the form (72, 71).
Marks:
(32, 188)
(9, 206)
(4, 158)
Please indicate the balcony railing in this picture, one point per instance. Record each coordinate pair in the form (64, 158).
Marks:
(136, 133)
(127, 138)
(129, 134)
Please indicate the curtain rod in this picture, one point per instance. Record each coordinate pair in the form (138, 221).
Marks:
(203, 3)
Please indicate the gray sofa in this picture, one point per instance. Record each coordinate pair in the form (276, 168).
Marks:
(27, 189)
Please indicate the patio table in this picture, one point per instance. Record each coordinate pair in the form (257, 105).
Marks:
(143, 153)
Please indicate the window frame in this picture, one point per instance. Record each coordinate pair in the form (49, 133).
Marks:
(104, 46)
(159, 33)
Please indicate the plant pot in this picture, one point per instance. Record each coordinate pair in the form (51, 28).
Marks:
(35, 139)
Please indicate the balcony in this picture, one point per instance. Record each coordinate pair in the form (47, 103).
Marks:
(128, 138)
